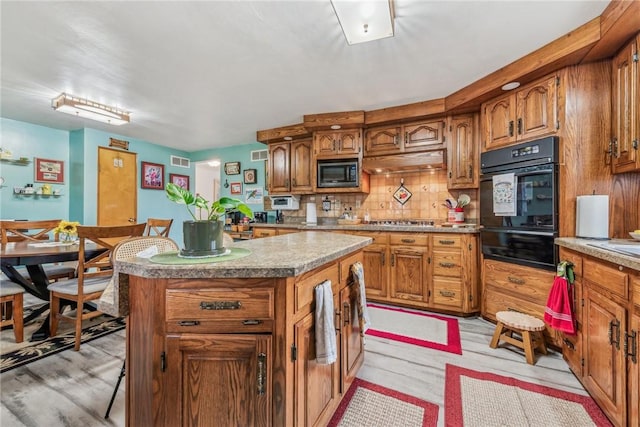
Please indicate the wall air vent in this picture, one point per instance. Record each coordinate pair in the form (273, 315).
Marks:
(257, 155)
(180, 162)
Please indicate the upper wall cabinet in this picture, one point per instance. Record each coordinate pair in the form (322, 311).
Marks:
(463, 152)
(528, 113)
(291, 167)
(410, 137)
(625, 126)
(331, 144)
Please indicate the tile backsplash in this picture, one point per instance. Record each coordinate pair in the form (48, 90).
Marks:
(428, 192)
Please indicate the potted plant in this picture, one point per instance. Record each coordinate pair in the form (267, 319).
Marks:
(204, 236)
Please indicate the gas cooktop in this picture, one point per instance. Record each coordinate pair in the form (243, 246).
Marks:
(404, 222)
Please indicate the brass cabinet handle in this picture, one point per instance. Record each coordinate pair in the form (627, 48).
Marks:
(395, 140)
(446, 242)
(406, 137)
(470, 171)
(520, 126)
(220, 305)
(569, 344)
(262, 373)
(634, 346)
(516, 280)
(447, 264)
(393, 260)
(510, 127)
(293, 181)
(346, 310)
(251, 322)
(408, 240)
(614, 324)
(447, 294)
(188, 323)
(382, 257)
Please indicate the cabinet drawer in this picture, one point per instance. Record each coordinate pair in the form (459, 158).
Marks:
(447, 292)
(575, 258)
(409, 239)
(304, 293)
(263, 232)
(379, 238)
(523, 282)
(447, 264)
(606, 276)
(447, 241)
(230, 310)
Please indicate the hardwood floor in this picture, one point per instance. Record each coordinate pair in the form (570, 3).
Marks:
(73, 388)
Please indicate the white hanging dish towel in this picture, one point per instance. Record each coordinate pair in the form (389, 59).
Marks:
(326, 348)
(505, 194)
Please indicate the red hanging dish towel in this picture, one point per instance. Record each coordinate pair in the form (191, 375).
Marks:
(559, 313)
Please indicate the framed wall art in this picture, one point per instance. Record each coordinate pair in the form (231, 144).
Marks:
(250, 176)
(179, 180)
(152, 176)
(232, 168)
(236, 188)
(48, 170)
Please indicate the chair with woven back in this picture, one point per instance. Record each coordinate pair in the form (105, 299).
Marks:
(126, 249)
(158, 227)
(36, 231)
(93, 275)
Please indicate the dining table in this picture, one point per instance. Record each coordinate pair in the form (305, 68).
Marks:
(33, 255)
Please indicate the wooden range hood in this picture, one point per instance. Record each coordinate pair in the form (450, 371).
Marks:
(409, 162)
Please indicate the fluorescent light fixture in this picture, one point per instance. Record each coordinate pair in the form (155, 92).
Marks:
(84, 108)
(364, 20)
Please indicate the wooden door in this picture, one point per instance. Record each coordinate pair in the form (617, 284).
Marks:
(352, 345)
(325, 144)
(207, 375)
(350, 142)
(117, 187)
(301, 166)
(316, 387)
(604, 360)
(279, 168)
(424, 136)
(537, 110)
(383, 140)
(499, 126)
(409, 274)
(463, 153)
(624, 133)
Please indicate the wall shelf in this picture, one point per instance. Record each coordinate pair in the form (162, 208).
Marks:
(19, 162)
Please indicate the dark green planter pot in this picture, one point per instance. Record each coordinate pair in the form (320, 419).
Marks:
(202, 238)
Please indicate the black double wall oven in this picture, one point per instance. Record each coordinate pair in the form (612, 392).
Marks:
(523, 233)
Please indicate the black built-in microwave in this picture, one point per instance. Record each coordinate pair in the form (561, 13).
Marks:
(341, 173)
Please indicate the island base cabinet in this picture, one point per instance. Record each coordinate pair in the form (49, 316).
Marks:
(634, 369)
(220, 380)
(351, 335)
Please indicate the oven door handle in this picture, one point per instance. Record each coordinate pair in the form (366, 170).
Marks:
(512, 231)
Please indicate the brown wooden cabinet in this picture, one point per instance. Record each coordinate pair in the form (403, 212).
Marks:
(463, 152)
(530, 112)
(332, 144)
(405, 138)
(375, 263)
(625, 129)
(409, 269)
(455, 271)
(291, 167)
(572, 344)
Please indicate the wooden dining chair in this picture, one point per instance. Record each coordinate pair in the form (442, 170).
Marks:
(36, 231)
(158, 227)
(93, 275)
(11, 302)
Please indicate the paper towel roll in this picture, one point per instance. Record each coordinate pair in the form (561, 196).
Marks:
(592, 217)
(312, 216)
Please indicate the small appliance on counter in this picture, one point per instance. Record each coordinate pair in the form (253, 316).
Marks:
(592, 216)
(288, 202)
(260, 217)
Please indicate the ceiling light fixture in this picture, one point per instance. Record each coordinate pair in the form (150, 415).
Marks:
(84, 108)
(364, 20)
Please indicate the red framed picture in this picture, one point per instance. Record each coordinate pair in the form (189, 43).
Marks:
(152, 176)
(48, 170)
(179, 180)
(236, 188)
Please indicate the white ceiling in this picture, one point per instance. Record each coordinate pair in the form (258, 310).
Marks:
(204, 74)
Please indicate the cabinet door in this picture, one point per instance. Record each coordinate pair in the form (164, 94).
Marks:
(633, 362)
(316, 387)
(325, 143)
(375, 259)
(462, 152)
(409, 274)
(625, 128)
(424, 136)
(207, 375)
(604, 361)
(383, 140)
(352, 346)
(499, 125)
(279, 167)
(536, 109)
(301, 167)
(350, 142)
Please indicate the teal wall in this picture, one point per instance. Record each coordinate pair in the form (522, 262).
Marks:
(79, 151)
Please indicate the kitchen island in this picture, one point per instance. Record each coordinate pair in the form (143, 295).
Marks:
(232, 342)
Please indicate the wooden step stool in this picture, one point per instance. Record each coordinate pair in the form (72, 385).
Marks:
(528, 327)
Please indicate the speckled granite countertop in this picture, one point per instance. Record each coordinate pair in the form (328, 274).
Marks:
(367, 227)
(586, 247)
(280, 256)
